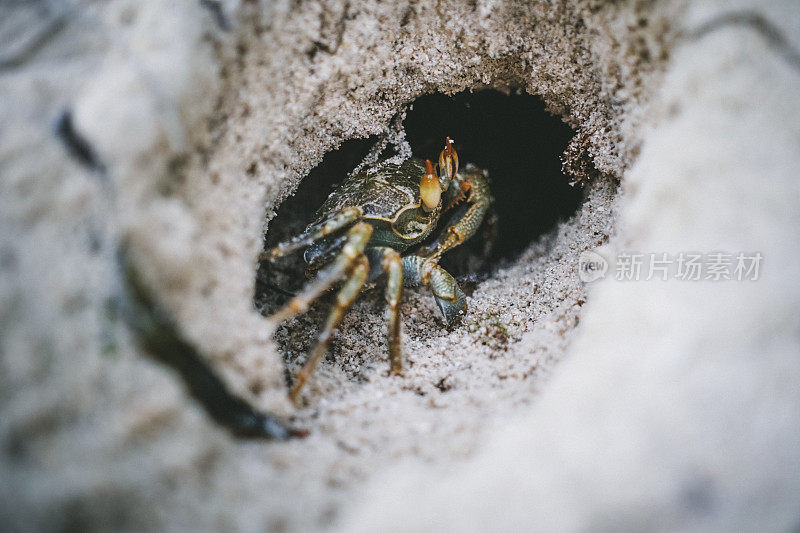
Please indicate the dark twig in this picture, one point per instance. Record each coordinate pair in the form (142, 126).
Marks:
(160, 336)
(76, 144)
(757, 22)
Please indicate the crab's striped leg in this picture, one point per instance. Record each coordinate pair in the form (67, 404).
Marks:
(344, 299)
(331, 224)
(323, 252)
(475, 189)
(352, 250)
(391, 263)
(419, 270)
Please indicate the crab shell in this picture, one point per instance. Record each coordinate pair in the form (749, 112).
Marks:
(388, 195)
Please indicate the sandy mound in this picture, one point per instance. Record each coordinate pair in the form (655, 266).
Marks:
(177, 133)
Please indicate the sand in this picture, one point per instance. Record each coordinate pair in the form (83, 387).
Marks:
(555, 405)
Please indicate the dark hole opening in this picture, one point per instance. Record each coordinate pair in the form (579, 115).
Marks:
(518, 142)
(510, 136)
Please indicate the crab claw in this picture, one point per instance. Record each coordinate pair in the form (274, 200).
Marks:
(448, 161)
(429, 188)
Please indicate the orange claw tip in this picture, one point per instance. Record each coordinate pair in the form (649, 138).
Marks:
(448, 160)
(429, 190)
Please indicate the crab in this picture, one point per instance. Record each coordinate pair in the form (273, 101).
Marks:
(371, 224)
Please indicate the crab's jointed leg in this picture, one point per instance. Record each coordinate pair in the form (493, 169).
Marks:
(351, 253)
(419, 270)
(391, 263)
(475, 190)
(344, 299)
(394, 293)
(314, 232)
(323, 252)
(490, 232)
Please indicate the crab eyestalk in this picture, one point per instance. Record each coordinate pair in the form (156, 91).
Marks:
(448, 161)
(429, 188)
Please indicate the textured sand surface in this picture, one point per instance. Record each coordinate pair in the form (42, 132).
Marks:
(554, 404)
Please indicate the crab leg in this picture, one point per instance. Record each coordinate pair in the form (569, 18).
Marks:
(323, 252)
(314, 232)
(475, 189)
(389, 261)
(344, 299)
(393, 265)
(419, 270)
(357, 238)
(491, 229)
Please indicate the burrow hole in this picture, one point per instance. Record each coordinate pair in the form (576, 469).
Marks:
(511, 136)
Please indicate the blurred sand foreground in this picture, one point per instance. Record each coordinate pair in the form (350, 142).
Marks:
(178, 128)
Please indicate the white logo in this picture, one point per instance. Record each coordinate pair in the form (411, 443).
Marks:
(591, 266)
